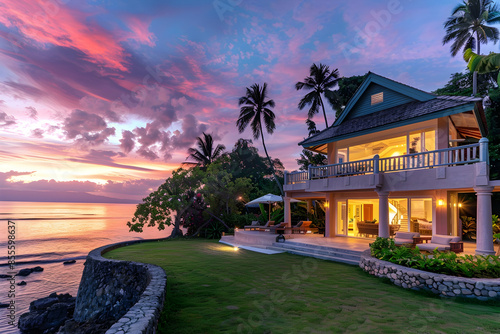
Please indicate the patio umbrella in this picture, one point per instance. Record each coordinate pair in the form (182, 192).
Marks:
(269, 198)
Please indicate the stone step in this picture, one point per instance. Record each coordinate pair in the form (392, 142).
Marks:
(321, 256)
(313, 247)
(320, 252)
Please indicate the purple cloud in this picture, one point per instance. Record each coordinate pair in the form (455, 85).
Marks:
(127, 142)
(6, 120)
(37, 133)
(89, 128)
(32, 113)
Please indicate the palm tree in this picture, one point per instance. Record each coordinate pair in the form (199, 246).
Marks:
(254, 109)
(467, 28)
(320, 81)
(311, 127)
(205, 154)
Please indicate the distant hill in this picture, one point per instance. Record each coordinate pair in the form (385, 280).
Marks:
(59, 196)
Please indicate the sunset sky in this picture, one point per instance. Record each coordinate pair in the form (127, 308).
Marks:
(105, 97)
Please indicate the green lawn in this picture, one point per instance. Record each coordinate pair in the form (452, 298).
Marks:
(212, 289)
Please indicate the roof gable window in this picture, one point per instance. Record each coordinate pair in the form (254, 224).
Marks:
(377, 98)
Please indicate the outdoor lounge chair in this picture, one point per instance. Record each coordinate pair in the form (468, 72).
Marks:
(296, 228)
(273, 228)
(267, 226)
(255, 226)
(301, 227)
(441, 242)
(401, 238)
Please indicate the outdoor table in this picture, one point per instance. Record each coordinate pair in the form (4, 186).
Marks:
(457, 247)
(419, 240)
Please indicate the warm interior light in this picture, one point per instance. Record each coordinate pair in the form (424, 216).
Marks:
(459, 205)
(440, 202)
(402, 217)
(327, 205)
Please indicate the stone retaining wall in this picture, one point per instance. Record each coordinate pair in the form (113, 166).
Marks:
(444, 285)
(129, 292)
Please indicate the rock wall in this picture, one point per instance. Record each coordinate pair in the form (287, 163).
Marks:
(130, 293)
(444, 285)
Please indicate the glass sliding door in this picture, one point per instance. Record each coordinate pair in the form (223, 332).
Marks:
(341, 218)
(398, 213)
(421, 215)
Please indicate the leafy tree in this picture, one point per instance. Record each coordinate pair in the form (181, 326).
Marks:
(206, 153)
(467, 28)
(222, 189)
(308, 158)
(347, 87)
(244, 161)
(176, 195)
(493, 120)
(320, 81)
(255, 110)
(460, 84)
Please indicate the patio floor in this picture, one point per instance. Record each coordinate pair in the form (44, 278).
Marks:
(265, 239)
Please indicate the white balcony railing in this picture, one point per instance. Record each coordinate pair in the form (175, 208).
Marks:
(347, 168)
(453, 156)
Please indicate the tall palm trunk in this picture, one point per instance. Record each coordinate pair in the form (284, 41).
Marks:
(474, 75)
(324, 112)
(270, 162)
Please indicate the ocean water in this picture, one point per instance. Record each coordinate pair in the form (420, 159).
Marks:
(46, 234)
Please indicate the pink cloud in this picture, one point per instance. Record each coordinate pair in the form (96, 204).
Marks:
(140, 29)
(59, 25)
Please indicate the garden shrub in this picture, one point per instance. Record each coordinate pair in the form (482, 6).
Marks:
(447, 263)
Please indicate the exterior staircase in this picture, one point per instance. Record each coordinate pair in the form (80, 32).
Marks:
(320, 252)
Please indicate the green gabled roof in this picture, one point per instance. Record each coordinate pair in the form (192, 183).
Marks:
(394, 87)
(418, 107)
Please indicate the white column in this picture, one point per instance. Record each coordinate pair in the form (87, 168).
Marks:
(383, 214)
(483, 150)
(288, 213)
(330, 215)
(484, 228)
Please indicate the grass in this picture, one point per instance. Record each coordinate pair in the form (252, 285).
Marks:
(214, 289)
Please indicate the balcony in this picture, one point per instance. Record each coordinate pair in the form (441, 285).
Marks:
(455, 156)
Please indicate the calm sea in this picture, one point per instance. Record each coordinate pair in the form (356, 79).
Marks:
(48, 234)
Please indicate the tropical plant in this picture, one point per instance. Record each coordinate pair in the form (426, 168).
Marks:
(467, 27)
(255, 110)
(483, 64)
(496, 236)
(447, 263)
(277, 215)
(308, 158)
(206, 152)
(320, 81)
(468, 228)
(495, 220)
(214, 230)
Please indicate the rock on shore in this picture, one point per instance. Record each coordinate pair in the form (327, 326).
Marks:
(47, 314)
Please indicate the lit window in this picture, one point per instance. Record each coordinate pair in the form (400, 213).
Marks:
(377, 98)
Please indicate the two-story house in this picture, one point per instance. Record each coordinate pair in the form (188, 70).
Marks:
(400, 156)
